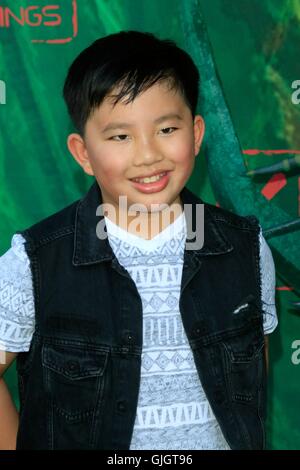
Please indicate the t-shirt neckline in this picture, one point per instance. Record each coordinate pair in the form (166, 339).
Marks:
(170, 232)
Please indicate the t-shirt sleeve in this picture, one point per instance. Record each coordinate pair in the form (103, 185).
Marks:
(17, 316)
(268, 279)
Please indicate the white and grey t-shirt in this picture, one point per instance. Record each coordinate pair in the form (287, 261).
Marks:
(172, 412)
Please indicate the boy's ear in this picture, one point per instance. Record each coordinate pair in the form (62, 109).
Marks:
(199, 129)
(77, 148)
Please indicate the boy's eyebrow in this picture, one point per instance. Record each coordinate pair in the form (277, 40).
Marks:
(118, 125)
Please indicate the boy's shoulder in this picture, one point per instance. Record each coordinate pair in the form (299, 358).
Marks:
(53, 226)
(64, 222)
(249, 222)
(221, 215)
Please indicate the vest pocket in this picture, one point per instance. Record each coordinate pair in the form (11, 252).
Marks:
(73, 379)
(244, 359)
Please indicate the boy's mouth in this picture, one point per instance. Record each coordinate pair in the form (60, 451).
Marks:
(151, 184)
(150, 179)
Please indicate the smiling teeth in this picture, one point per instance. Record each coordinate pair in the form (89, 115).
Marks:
(152, 179)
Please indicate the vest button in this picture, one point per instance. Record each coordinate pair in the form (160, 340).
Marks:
(200, 329)
(121, 405)
(127, 337)
(72, 366)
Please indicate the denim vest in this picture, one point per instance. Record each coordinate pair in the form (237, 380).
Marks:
(79, 382)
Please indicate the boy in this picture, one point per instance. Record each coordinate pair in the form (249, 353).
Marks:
(139, 339)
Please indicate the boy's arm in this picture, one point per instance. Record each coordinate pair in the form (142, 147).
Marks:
(9, 417)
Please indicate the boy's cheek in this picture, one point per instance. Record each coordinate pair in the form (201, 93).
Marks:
(100, 158)
(109, 168)
(188, 167)
(182, 160)
(185, 155)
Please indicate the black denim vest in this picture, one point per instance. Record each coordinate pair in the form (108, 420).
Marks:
(79, 381)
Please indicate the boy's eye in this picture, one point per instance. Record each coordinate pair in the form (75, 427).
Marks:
(119, 138)
(123, 137)
(168, 130)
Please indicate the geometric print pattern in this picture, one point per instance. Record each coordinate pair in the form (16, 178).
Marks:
(155, 416)
(16, 299)
(164, 409)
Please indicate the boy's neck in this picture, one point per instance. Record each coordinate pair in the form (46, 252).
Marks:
(147, 225)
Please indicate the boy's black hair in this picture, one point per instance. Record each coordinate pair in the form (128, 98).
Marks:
(132, 61)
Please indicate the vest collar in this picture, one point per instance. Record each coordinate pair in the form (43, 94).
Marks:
(89, 249)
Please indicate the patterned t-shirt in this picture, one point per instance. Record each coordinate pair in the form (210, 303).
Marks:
(172, 411)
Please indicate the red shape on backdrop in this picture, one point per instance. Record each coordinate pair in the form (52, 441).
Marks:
(274, 185)
(269, 152)
(284, 288)
(74, 32)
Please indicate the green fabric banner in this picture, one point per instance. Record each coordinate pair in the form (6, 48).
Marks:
(250, 104)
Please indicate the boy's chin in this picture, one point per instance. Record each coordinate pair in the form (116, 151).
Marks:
(152, 208)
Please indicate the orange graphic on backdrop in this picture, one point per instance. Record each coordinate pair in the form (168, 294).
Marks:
(35, 16)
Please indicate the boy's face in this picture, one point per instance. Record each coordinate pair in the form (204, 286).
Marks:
(153, 134)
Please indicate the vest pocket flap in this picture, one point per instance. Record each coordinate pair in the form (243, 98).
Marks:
(74, 363)
(245, 346)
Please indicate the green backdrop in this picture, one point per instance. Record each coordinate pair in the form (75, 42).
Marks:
(247, 72)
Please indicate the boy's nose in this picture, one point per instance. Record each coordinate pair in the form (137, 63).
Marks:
(146, 154)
